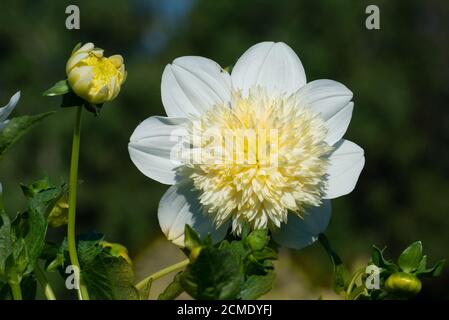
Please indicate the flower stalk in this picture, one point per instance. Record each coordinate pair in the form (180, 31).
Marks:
(159, 274)
(43, 281)
(73, 184)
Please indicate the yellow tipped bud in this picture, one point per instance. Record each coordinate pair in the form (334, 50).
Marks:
(92, 76)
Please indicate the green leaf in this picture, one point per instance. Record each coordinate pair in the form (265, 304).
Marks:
(32, 225)
(215, 275)
(6, 245)
(257, 285)
(59, 88)
(435, 271)
(16, 128)
(410, 258)
(109, 278)
(173, 290)
(378, 259)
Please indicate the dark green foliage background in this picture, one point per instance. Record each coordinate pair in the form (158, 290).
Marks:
(399, 76)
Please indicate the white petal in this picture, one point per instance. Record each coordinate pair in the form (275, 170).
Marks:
(338, 124)
(274, 66)
(191, 85)
(298, 233)
(152, 147)
(327, 97)
(6, 110)
(180, 206)
(346, 163)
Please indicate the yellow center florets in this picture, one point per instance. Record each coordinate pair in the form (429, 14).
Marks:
(105, 74)
(103, 70)
(256, 159)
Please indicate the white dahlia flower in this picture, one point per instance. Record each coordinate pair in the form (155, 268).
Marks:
(259, 146)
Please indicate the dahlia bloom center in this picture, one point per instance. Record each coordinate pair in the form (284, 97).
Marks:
(257, 158)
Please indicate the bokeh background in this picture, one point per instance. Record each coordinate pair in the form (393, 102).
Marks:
(399, 75)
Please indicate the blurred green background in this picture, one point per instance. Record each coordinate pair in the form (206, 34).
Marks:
(399, 75)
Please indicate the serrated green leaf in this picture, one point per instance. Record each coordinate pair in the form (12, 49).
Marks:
(215, 275)
(59, 88)
(257, 285)
(107, 277)
(16, 128)
(110, 278)
(173, 290)
(410, 258)
(32, 225)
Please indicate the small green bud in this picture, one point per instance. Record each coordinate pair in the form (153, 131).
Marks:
(257, 239)
(59, 215)
(403, 284)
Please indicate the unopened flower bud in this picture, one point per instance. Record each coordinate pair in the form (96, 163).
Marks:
(92, 76)
(403, 284)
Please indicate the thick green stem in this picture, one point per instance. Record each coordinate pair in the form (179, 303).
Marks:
(15, 286)
(73, 184)
(16, 291)
(141, 285)
(43, 281)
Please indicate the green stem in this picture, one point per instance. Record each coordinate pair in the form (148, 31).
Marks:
(15, 286)
(16, 291)
(141, 285)
(43, 281)
(358, 273)
(73, 184)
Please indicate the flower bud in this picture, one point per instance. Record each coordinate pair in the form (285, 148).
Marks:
(403, 284)
(59, 215)
(92, 76)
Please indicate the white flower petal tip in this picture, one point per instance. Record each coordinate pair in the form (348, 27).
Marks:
(339, 123)
(152, 147)
(346, 164)
(6, 110)
(180, 206)
(273, 65)
(299, 233)
(326, 97)
(191, 85)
